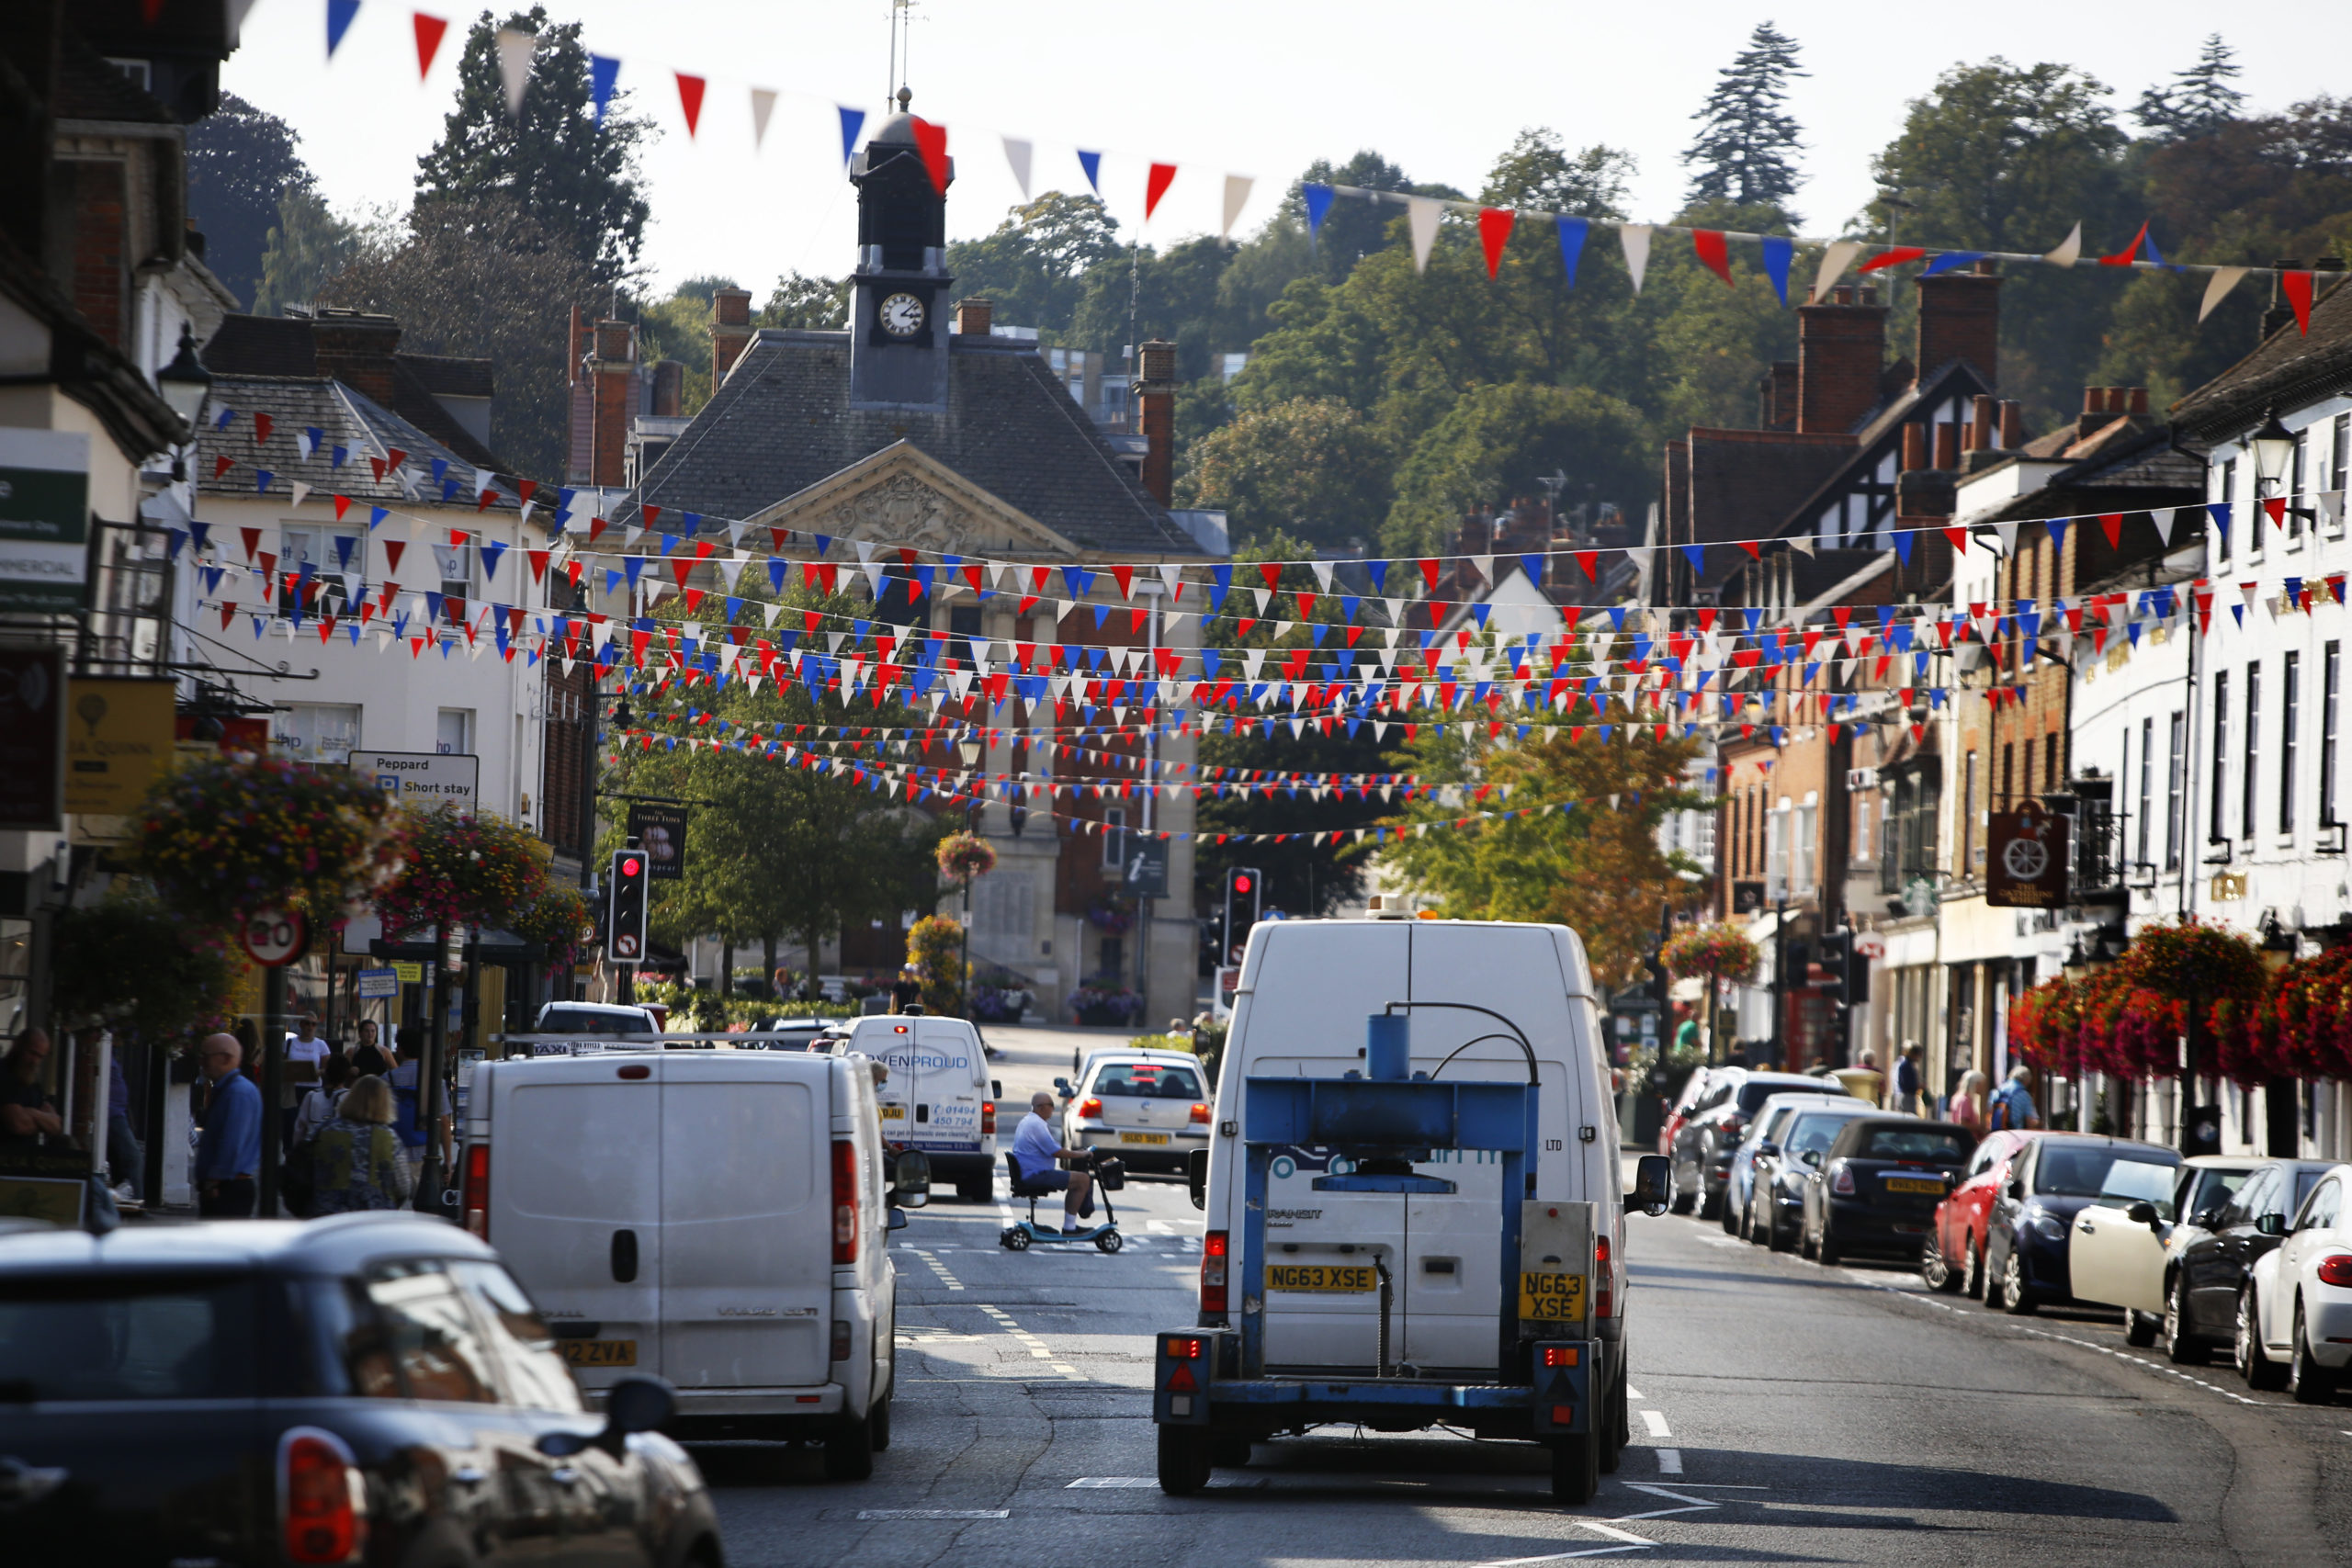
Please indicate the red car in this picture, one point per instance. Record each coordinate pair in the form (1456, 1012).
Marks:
(1955, 1246)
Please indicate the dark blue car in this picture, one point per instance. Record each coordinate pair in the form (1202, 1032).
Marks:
(2050, 1180)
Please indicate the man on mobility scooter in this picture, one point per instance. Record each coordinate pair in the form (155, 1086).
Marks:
(1035, 1160)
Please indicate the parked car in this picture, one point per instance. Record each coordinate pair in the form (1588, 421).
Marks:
(599, 1020)
(792, 1035)
(1702, 1147)
(1877, 1187)
(1150, 1108)
(2052, 1176)
(1956, 1236)
(2302, 1317)
(2126, 1243)
(2211, 1297)
(1739, 1183)
(718, 1217)
(371, 1384)
(1694, 1088)
(1775, 1195)
(938, 1096)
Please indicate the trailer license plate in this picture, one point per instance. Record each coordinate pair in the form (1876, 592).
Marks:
(1143, 1137)
(1551, 1298)
(894, 1114)
(1912, 1184)
(1318, 1277)
(599, 1352)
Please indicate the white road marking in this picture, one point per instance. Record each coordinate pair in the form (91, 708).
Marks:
(934, 1513)
(1656, 1421)
(1037, 1348)
(938, 1267)
(1633, 1393)
(1670, 1461)
(1137, 1482)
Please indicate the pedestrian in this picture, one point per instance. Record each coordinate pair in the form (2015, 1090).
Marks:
(2012, 1105)
(26, 1113)
(407, 1084)
(1040, 1155)
(300, 1178)
(1906, 1079)
(305, 1054)
(126, 1156)
(228, 1154)
(368, 1058)
(906, 991)
(359, 1161)
(1967, 1107)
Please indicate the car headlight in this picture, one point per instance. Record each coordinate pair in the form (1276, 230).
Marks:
(2046, 1225)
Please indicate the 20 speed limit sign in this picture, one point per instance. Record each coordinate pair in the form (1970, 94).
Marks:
(273, 938)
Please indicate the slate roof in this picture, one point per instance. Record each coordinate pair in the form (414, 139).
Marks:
(782, 422)
(283, 347)
(2287, 371)
(2127, 465)
(346, 418)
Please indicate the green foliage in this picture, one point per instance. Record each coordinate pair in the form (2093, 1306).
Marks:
(935, 946)
(679, 328)
(1032, 269)
(243, 163)
(812, 304)
(1494, 442)
(577, 181)
(2199, 100)
(135, 966)
(1313, 469)
(1746, 149)
(308, 245)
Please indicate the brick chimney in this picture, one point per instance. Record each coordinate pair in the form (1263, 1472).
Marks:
(973, 317)
(1840, 347)
(1959, 318)
(1776, 396)
(1980, 416)
(1155, 395)
(669, 387)
(614, 370)
(2012, 425)
(731, 331)
(356, 348)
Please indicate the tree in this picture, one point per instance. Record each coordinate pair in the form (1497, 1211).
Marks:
(1312, 468)
(241, 163)
(480, 280)
(679, 328)
(1353, 228)
(1540, 172)
(1596, 869)
(308, 245)
(577, 181)
(1031, 268)
(2199, 101)
(814, 304)
(1746, 142)
(1493, 443)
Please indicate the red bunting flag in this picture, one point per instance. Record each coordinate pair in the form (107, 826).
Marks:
(689, 99)
(1155, 186)
(1958, 537)
(1494, 232)
(1713, 253)
(2297, 288)
(1429, 572)
(1589, 560)
(221, 466)
(429, 32)
(2124, 256)
(930, 144)
(393, 548)
(538, 559)
(342, 505)
(482, 502)
(263, 426)
(1894, 257)
(252, 537)
(1126, 577)
(526, 490)
(1755, 550)
(1271, 572)
(2111, 524)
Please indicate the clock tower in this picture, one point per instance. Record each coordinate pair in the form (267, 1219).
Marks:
(897, 330)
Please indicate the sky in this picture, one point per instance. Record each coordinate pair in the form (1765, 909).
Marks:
(1252, 87)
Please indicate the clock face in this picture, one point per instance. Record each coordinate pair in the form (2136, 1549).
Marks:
(902, 315)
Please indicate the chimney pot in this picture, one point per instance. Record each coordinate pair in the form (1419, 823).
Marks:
(1915, 446)
(669, 388)
(616, 340)
(974, 316)
(1947, 444)
(2139, 400)
(2094, 399)
(731, 331)
(1981, 426)
(1959, 318)
(1843, 294)
(2012, 425)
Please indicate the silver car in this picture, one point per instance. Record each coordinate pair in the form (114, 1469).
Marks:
(1150, 1108)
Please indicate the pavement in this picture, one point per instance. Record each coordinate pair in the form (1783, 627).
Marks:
(1782, 1411)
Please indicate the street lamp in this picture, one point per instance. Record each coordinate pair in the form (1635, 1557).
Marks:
(185, 383)
(2273, 446)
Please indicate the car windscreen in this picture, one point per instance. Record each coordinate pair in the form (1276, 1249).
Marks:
(2304, 1181)
(1934, 1145)
(2215, 1189)
(2131, 1181)
(1752, 1096)
(1813, 1134)
(592, 1020)
(1149, 1081)
(2076, 1170)
(121, 1336)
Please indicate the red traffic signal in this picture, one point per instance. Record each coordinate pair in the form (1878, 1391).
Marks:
(631, 865)
(1241, 883)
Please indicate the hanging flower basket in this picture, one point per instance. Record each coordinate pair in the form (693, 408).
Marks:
(224, 838)
(1718, 951)
(1111, 915)
(2127, 1020)
(559, 921)
(464, 871)
(964, 856)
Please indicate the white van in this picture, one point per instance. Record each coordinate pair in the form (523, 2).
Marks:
(1386, 1306)
(714, 1217)
(938, 1098)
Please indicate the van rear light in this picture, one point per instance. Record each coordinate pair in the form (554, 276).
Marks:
(1092, 1106)
(1199, 1113)
(845, 1201)
(319, 1498)
(1604, 1279)
(2335, 1269)
(988, 1119)
(477, 1190)
(1213, 1261)
(841, 1339)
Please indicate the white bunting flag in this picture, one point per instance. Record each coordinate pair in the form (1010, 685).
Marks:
(302, 492)
(1421, 215)
(1016, 152)
(1237, 197)
(2225, 278)
(514, 48)
(1836, 258)
(2069, 248)
(1635, 239)
(763, 106)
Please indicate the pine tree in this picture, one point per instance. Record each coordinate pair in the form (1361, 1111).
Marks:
(1743, 152)
(552, 164)
(242, 161)
(2198, 102)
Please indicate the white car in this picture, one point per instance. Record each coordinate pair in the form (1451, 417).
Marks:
(1149, 1107)
(2122, 1255)
(2304, 1291)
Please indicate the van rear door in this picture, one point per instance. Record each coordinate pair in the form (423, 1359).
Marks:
(950, 1068)
(747, 1245)
(576, 1202)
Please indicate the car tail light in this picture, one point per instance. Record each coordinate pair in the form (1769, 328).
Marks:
(1199, 1113)
(1604, 1294)
(988, 1119)
(845, 1201)
(319, 1498)
(1732, 1129)
(1091, 1106)
(477, 1190)
(1841, 1179)
(841, 1339)
(1213, 1262)
(2335, 1269)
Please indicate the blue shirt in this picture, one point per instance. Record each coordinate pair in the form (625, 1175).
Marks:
(230, 1147)
(2020, 1102)
(1035, 1146)
(405, 1093)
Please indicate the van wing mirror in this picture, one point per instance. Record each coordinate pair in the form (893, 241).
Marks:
(910, 1181)
(898, 1220)
(996, 1088)
(1196, 1177)
(1653, 1190)
(1061, 1086)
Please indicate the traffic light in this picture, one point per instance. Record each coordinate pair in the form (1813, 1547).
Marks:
(626, 893)
(1244, 895)
(1843, 971)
